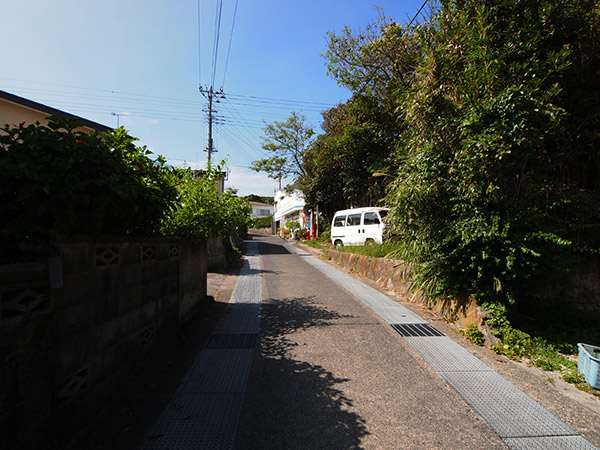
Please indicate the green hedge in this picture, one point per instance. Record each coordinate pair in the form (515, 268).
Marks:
(56, 178)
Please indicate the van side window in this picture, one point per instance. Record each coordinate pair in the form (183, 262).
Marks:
(339, 221)
(353, 219)
(371, 219)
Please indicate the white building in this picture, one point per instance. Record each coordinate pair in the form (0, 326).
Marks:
(289, 206)
(260, 210)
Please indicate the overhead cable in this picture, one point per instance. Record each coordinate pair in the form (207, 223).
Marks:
(217, 34)
(229, 47)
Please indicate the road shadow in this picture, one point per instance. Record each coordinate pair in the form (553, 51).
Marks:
(296, 404)
(267, 248)
(249, 271)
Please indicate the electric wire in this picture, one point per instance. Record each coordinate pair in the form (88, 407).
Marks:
(199, 43)
(418, 12)
(217, 34)
(229, 47)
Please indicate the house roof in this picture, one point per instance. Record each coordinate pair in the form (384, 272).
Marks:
(260, 204)
(51, 111)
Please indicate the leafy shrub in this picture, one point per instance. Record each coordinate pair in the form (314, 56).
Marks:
(475, 335)
(233, 255)
(262, 222)
(202, 212)
(325, 236)
(57, 179)
(292, 225)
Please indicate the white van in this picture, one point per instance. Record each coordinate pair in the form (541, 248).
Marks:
(358, 226)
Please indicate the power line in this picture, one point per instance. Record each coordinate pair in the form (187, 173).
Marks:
(279, 100)
(250, 100)
(217, 34)
(199, 41)
(230, 40)
(418, 12)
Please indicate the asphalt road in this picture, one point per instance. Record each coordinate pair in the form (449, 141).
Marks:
(330, 374)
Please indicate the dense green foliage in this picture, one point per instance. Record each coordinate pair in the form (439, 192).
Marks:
(339, 167)
(262, 222)
(259, 198)
(202, 212)
(498, 156)
(56, 178)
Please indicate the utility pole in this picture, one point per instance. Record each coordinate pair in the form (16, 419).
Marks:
(210, 95)
(117, 115)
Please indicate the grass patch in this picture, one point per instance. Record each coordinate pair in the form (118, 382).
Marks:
(385, 250)
(314, 244)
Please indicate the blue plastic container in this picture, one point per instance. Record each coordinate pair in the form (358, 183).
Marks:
(589, 364)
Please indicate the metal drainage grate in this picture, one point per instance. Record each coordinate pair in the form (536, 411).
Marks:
(416, 329)
(231, 341)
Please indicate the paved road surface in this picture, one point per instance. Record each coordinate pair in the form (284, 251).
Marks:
(322, 370)
(332, 375)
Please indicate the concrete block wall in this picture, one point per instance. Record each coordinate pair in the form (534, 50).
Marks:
(71, 331)
(216, 255)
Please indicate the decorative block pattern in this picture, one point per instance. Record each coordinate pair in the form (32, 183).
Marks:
(148, 253)
(19, 302)
(107, 255)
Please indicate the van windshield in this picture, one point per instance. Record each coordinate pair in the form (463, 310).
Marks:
(339, 221)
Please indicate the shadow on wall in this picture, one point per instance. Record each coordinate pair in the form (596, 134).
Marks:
(307, 401)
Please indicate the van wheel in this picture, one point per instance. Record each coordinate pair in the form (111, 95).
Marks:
(369, 242)
(338, 244)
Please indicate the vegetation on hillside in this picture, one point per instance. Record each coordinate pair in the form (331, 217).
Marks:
(492, 118)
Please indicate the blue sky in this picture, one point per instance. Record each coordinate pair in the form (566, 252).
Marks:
(141, 63)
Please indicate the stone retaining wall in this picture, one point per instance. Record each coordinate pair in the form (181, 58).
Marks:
(583, 287)
(75, 325)
(393, 275)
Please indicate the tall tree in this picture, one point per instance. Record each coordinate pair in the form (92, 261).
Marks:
(287, 141)
(358, 142)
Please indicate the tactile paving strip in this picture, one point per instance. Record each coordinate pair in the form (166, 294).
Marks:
(550, 443)
(232, 341)
(445, 355)
(198, 421)
(205, 410)
(506, 409)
